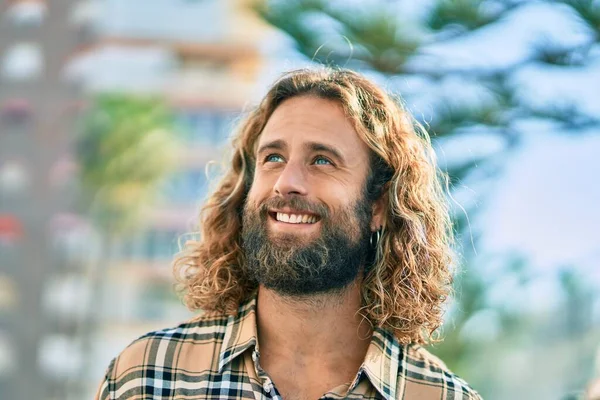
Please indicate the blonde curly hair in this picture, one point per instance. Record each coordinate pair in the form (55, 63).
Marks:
(405, 288)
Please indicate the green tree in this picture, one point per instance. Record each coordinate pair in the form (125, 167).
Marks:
(126, 148)
(379, 39)
(125, 151)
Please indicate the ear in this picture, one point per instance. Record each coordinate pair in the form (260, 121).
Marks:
(378, 213)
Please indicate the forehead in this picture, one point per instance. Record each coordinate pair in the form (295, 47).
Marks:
(311, 119)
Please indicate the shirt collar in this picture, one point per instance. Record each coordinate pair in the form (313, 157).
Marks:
(240, 333)
(382, 362)
(380, 365)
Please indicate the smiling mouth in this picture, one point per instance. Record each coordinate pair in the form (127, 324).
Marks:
(297, 218)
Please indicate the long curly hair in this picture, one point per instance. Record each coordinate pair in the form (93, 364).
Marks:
(405, 288)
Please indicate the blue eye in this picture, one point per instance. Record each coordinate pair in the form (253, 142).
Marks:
(273, 158)
(322, 161)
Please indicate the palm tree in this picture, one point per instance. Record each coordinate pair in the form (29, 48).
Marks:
(126, 148)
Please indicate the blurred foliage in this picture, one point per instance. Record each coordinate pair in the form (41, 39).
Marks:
(469, 14)
(378, 39)
(125, 150)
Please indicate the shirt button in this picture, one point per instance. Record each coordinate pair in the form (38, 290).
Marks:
(267, 387)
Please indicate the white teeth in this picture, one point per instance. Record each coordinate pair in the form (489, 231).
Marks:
(296, 218)
(283, 217)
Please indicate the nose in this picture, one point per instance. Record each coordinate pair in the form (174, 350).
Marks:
(292, 180)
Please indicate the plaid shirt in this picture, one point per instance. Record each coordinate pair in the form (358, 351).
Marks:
(214, 357)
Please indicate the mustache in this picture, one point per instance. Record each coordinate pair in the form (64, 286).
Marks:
(294, 202)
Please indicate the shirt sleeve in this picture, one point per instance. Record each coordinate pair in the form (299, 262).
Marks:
(103, 392)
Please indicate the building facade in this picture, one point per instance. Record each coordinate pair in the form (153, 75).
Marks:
(39, 110)
(205, 60)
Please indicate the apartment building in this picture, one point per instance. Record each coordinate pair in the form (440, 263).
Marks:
(38, 227)
(205, 59)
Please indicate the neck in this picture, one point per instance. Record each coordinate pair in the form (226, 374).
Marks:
(322, 326)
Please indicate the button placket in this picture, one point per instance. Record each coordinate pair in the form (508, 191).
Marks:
(267, 386)
(267, 383)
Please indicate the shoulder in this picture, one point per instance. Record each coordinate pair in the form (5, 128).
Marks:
(428, 376)
(189, 347)
(166, 347)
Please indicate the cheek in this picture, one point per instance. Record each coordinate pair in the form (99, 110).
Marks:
(338, 197)
(349, 207)
(259, 189)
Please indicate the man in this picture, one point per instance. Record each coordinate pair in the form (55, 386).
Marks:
(323, 262)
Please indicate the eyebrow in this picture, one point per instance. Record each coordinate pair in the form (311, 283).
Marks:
(316, 147)
(273, 145)
(311, 146)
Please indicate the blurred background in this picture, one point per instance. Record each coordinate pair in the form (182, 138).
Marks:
(112, 113)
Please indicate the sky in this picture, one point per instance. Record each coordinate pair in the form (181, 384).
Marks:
(546, 205)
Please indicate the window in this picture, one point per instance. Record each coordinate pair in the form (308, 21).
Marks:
(15, 111)
(158, 301)
(27, 13)
(208, 127)
(225, 124)
(11, 229)
(60, 356)
(154, 245)
(134, 249)
(23, 61)
(160, 245)
(196, 125)
(14, 178)
(185, 187)
(85, 16)
(71, 236)
(8, 358)
(67, 296)
(8, 295)
(85, 13)
(63, 173)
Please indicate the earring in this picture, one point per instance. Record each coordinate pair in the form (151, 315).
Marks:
(375, 237)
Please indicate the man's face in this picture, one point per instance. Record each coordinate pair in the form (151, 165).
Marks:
(306, 222)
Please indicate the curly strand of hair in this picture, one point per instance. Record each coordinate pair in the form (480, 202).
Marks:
(405, 289)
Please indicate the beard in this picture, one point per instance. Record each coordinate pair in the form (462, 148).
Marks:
(297, 265)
